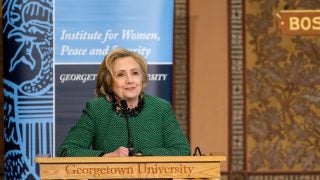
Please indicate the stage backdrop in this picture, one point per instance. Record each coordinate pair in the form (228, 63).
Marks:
(85, 33)
(52, 50)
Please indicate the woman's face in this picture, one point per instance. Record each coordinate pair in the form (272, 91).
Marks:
(127, 81)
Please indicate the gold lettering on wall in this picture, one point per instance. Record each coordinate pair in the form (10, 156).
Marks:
(299, 22)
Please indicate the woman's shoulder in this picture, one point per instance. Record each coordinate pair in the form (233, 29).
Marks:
(155, 100)
(98, 101)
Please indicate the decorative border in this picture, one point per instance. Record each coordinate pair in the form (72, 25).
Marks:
(236, 83)
(180, 65)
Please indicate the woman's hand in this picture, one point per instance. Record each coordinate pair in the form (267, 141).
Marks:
(121, 151)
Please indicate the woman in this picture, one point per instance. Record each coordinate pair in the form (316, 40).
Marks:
(122, 120)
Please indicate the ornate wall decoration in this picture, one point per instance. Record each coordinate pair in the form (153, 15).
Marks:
(276, 136)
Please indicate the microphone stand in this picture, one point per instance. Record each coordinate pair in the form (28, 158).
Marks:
(124, 107)
(130, 146)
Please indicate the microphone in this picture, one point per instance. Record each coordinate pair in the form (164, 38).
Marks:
(124, 108)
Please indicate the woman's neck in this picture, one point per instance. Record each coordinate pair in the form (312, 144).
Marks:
(134, 107)
(132, 103)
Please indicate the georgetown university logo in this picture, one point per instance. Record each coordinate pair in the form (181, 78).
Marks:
(28, 85)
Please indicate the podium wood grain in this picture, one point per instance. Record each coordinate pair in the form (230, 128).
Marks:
(176, 167)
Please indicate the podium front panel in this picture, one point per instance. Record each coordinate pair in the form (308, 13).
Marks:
(129, 167)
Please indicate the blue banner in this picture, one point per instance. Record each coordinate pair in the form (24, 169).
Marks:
(28, 85)
(85, 33)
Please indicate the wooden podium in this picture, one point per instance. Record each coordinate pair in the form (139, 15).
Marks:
(175, 167)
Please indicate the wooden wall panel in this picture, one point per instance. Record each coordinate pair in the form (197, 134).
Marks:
(274, 90)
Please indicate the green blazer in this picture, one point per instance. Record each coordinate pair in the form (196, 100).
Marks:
(154, 131)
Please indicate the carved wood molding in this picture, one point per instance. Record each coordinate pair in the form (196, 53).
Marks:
(180, 67)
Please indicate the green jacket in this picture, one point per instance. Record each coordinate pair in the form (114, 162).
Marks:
(154, 131)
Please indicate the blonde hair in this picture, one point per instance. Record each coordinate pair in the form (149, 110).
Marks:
(105, 73)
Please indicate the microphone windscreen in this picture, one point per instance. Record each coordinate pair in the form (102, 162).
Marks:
(124, 104)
